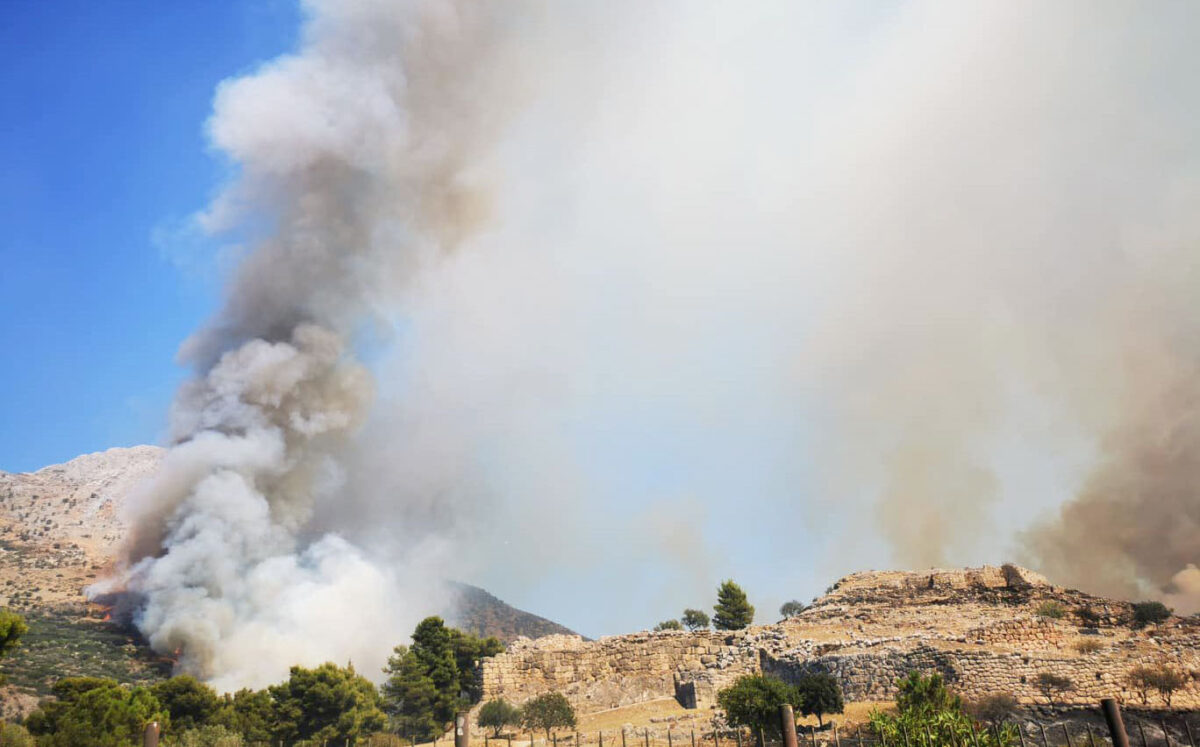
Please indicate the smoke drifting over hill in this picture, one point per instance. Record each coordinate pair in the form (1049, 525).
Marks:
(614, 269)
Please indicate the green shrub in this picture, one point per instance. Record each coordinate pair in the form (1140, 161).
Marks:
(925, 706)
(1088, 645)
(15, 735)
(668, 625)
(1150, 613)
(1051, 610)
(819, 694)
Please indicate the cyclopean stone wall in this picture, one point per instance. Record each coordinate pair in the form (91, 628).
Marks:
(978, 627)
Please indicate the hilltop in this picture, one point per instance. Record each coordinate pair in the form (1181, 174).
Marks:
(987, 630)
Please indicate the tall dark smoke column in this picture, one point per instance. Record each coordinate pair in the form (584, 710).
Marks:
(354, 154)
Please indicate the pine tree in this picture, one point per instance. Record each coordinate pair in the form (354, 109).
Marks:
(732, 610)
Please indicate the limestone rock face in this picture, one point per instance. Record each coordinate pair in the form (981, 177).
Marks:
(978, 627)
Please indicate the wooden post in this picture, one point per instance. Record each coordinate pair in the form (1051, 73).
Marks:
(1045, 739)
(1116, 725)
(462, 730)
(150, 735)
(693, 736)
(836, 741)
(787, 726)
(670, 742)
(1166, 734)
(1188, 727)
(1091, 736)
(622, 736)
(1066, 733)
(1142, 731)
(646, 734)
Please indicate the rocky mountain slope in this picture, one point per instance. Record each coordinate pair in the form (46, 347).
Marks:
(60, 529)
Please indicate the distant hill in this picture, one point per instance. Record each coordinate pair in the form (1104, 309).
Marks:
(480, 613)
(59, 528)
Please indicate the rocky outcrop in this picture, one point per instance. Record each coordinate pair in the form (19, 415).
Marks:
(979, 627)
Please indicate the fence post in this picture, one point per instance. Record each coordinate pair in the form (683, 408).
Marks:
(787, 726)
(1091, 737)
(622, 736)
(646, 734)
(150, 736)
(836, 741)
(1045, 739)
(1142, 731)
(462, 730)
(1067, 733)
(1166, 734)
(1188, 727)
(1116, 725)
(670, 742)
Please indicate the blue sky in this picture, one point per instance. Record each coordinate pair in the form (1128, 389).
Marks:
(102, 111)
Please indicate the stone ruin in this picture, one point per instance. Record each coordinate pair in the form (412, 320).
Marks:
(979, 628)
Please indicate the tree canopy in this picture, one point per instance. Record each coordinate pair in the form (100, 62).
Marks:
(189, 702)
(792, 608)
(434, 677)
(95, 712)
(753, 701)
(328, 702)
(668, 625)
(694, 619)
(819, 694)
(548, 711)
(12, 627)
(497, 714)
(732, 610)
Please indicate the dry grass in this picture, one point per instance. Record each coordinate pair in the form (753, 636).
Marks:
(639, 715)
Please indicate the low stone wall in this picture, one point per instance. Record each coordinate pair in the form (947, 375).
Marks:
(973, 674)
(619, 670)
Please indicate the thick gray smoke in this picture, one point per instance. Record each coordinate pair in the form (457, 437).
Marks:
(355, 164)
(774, 290)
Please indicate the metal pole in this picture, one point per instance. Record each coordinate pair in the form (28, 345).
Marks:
(646, 734)
(787, 726)
(1116, 725)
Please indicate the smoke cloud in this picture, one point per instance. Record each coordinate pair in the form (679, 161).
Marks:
(355, 161)
(600, 305)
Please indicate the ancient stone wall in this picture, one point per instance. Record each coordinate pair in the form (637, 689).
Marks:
(978, 627)
(619, 670)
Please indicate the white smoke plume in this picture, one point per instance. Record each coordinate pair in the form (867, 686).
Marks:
(900, 285)
(354, 160)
